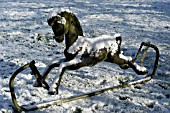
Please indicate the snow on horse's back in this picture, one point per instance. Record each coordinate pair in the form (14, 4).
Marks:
(83, 44)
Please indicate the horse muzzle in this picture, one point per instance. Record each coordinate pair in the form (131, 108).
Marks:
(59, 39)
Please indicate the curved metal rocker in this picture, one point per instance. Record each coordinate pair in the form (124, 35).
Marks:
(67, 24)
(57, 102)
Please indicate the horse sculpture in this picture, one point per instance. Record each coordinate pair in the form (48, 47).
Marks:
(81, 51)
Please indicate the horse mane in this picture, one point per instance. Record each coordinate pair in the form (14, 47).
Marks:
(68, 15)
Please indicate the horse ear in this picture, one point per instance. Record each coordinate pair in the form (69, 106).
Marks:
(75, 19)
(80, 30)
(50, 21)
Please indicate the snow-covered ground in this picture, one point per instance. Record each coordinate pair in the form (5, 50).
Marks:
(25, 36)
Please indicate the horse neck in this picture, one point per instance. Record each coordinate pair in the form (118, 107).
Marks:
(70, 38)
(74, 30)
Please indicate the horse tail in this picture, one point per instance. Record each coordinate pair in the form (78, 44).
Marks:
(118, 40)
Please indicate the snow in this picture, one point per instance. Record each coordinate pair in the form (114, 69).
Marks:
(127, 58)
(94, 45)
(62, 21)
(142, 69)
(26, 36)
(56, 11)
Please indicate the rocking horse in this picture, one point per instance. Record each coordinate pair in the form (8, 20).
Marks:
(81, 51)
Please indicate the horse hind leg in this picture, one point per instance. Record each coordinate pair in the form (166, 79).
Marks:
(126, 62)
(120, 59)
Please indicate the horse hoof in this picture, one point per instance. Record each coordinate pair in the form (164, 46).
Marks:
(124, 66)
(37, 84)
(53, 92)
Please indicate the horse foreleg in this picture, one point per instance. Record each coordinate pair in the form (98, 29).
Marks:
(54, 63)
(55, 85)
(63, 67)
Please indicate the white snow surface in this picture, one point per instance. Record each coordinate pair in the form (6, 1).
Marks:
(26, 36)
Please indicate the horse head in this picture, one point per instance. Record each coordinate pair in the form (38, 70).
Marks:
(59, 26)
(66, 24)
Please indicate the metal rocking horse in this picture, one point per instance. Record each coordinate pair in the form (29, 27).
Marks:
(80, 52)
